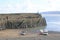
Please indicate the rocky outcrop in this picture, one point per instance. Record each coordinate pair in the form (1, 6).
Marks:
(21, 20)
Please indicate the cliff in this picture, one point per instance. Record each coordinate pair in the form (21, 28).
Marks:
(21, 20)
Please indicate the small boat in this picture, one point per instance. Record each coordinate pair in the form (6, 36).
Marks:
(43, 32)
(22, 33)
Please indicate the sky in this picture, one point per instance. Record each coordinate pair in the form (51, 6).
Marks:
(21, 6)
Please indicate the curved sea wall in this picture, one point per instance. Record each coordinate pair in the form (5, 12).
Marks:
(21, 20)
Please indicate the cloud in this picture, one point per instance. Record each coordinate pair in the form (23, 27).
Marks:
(29, 5)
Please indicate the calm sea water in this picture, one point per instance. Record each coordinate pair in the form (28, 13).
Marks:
(53, 22)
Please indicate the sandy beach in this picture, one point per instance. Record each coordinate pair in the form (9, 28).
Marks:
(13, 34)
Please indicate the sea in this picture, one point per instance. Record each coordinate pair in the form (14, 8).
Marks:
(53, 21)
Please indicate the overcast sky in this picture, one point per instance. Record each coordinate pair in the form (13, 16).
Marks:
(14, 6)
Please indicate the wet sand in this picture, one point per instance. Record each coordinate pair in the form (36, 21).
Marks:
(14, 35)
